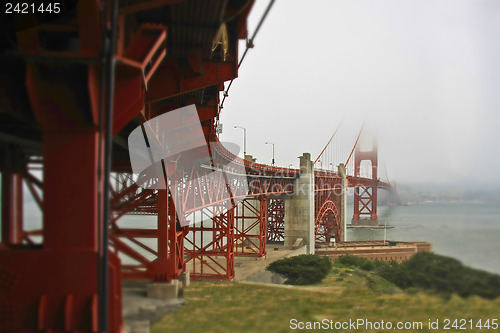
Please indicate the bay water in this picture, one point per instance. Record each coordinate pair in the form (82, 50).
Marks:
(469, 232)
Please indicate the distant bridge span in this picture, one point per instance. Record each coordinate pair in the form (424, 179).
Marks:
(265, 191)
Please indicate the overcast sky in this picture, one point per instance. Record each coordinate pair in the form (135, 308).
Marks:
(424, 73)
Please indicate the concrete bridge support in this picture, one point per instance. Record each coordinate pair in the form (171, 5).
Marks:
(343, 202)
(299, 209)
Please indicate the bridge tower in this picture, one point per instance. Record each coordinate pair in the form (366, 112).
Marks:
(365, 197)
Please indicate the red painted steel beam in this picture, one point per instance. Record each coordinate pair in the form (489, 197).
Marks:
(65, 96)
(146, 5)
(129, 98)
(137, 65)
(276, 220)
(12, 208)
(367, 207)
(72, 224)
(171, 79)
(327, 222)
(205, 112)
(212, 258)
(64, 297)
(250, 225)
(367, 182)
(63, 89)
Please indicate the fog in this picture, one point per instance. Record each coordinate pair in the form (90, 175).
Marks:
(425, 74)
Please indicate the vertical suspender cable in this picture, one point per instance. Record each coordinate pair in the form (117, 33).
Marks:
(331, 138)
(106, 129)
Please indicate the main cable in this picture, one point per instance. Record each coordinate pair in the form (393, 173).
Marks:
(249, 45)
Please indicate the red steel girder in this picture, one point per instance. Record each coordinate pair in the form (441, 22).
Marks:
(145, 5)
(146, 50)
(210, 245)
(327, 223)
(137, 65)
(250, 222)
(327, 200)
(367, 199)
(66, 110)
(276, 220)
(12, 208)
(172, 79)
(365, 202)
(68, 259)
(168, 252)
(64, 92)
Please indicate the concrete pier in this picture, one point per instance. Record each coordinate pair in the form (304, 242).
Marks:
(368, 222)
(163, 290)
(343, 202)
(299, 209)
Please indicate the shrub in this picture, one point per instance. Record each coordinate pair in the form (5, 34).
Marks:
(429, 271)
(303, 269)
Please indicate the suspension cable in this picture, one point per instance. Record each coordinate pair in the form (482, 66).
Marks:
(355, 144)
(248, 46)
(386, 174)
(338, 126)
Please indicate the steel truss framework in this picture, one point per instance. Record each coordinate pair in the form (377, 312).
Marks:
(66, 251)
(246, 225)
(201, 197)
(250, 227)
(276, 220)
(13, 229)
(164, 258)
(365, 196)
(327, 223)
(210, 247)
(364, 203)
(327, 199)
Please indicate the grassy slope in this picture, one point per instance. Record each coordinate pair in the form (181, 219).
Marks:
(345, 294)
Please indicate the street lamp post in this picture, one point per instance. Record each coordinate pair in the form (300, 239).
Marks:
(270, 143)
(244, 140)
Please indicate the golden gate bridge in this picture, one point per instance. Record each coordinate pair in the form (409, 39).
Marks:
(73, 86)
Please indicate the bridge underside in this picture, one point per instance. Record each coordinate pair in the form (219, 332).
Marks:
(56, 83)
(56, 89)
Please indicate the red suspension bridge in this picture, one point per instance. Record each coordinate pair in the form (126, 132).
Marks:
(72, 89)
